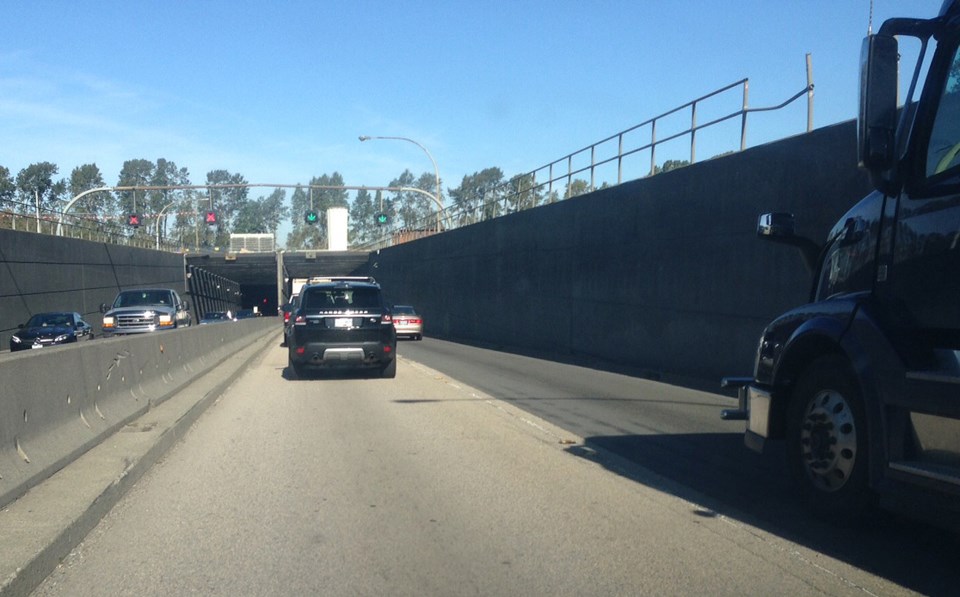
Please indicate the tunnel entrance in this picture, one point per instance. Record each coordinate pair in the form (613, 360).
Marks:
(259, 297)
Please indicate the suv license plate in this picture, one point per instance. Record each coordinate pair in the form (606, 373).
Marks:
(343, 322)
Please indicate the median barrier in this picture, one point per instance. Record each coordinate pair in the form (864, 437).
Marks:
(59, 402)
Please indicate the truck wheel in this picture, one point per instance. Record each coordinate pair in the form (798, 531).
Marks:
(827, 440)
(390, 369)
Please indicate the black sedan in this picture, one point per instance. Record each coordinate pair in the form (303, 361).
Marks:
(50, 329)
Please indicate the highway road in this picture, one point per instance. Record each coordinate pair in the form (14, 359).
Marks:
(479, 471)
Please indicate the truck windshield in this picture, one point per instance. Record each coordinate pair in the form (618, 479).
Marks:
(135, 299)
(943, 153)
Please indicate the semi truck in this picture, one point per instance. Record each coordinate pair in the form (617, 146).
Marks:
(862, 383)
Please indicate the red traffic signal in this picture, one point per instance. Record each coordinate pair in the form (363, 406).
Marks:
(133, 220)
(211, 218)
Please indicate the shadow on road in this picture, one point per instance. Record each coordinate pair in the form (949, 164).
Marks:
(717, 472)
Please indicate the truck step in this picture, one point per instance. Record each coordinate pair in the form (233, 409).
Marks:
(731, 414)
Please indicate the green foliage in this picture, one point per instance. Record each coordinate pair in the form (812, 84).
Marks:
(523, 193)
(671, 165)
(35, 183)
(8, 188)
(321, 195)
(363, 227)
(415, 209)
(475, 190)
(576, 187)
(262, 215)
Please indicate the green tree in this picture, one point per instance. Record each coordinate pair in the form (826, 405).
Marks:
(261, 215)
(576, 187)
(415, 209)
(522, 193)
(475, 193)
(167, 202)
(225, 202)
(363, 212)
(8, 188)
(136, 173)
(98, 206)
(671, 165)
(331, 194)
(35, 184)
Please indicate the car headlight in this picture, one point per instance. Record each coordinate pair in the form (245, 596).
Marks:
(108, 321)
(61, 338)
(15, 339)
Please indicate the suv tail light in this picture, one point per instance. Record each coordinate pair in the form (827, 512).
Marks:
(387, 319)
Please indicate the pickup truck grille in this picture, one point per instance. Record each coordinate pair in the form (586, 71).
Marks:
(129, 321)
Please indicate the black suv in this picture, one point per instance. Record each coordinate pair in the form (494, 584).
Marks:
(342, 322)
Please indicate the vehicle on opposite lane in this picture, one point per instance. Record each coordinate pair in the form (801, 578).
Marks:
(143, 310)
(217, 317)
(50, 329)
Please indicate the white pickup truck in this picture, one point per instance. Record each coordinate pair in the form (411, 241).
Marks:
(142, 310)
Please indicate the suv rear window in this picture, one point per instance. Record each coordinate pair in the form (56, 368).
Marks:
(341, 298)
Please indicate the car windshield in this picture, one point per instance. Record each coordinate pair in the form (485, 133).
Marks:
(141, 297)
(50, 320)
(403, 310)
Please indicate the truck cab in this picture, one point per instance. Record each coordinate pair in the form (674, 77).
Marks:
(863, 382)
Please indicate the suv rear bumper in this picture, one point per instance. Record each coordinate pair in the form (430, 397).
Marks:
(347, 355)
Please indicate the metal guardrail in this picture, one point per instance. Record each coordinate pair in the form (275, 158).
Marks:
(47, 221)
(536, 187)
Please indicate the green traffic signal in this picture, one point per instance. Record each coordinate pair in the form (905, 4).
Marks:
(381, 219)
(311, 217)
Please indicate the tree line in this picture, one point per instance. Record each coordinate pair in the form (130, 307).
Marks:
(178, 215)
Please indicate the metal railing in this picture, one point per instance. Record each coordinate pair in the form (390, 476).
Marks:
(48, 221)
(521, 192)
(536, 187)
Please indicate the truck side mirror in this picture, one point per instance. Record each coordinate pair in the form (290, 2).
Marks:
(779, 227)
(104, 307)
(775, 225)
(877, 119)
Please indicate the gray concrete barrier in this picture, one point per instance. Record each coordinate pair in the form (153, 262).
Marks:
(59, 402)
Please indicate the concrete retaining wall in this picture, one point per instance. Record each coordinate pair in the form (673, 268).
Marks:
(39, 272)
(663, 273)
(59, 402)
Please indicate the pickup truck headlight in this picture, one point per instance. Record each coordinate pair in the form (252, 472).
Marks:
(165, 319)
(108, 321)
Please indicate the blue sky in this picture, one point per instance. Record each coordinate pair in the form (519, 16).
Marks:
(280, 91)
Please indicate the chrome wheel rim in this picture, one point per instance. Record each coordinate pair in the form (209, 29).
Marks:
(828, 441)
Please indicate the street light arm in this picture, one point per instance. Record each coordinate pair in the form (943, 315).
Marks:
(436, 169)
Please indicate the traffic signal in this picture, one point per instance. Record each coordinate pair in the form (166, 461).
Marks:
(382, 219)
(311, 217)
(211, 218)
(133, 220)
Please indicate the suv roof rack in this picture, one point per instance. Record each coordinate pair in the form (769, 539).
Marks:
(321, 279)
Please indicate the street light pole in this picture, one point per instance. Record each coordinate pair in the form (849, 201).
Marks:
(438, 199)
(159, 218)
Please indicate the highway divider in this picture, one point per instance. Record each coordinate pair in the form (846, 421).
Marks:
(57, 403)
